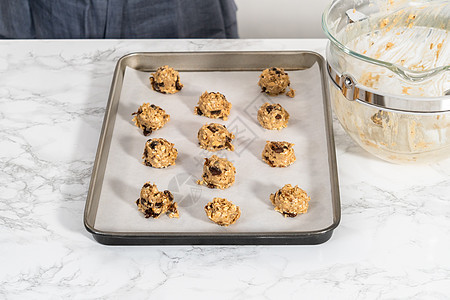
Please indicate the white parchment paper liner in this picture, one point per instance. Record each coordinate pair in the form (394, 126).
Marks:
(255, 181)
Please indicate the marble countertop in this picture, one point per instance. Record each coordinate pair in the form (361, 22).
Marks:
(392, 242)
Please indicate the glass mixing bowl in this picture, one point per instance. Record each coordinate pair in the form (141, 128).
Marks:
(389, 65)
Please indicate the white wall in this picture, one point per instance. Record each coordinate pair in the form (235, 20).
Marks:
(280, 18)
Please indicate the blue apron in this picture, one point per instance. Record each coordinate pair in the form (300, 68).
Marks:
(116, 19)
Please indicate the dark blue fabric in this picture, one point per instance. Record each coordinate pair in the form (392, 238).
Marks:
(73, 19)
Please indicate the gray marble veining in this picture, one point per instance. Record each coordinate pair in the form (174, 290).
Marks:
(392, 242)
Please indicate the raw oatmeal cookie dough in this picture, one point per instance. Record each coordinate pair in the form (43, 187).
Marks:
(222, 212)
(214, 137)
(278, 154)
(290, 201)
(380, 117)
(273, 116)
(166, 80)
(150, 117)
(274, 81)
(213, 105)
(153, 203)
(217, 173)
(291, 93)
(159, 153)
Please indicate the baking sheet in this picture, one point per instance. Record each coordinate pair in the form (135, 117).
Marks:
(255, 181)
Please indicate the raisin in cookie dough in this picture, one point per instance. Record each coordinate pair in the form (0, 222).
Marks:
(150, 117)
(153, 203)
(274, 81)
(222, 212)
(273, 116)
(213, 105)
(290, 201)
(166, 80)
(214, 137)
(278, 154)
(217, 173)
(159, 153)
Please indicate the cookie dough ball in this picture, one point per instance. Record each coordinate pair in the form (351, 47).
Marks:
(290, 201)
(217, 173)
(278, 154)
(222, 212)
(213, 105)
(274, 81)
(150, 117)
(273, 116)
(214, 137)
(153, 203)
(159, 153)
(166, 80)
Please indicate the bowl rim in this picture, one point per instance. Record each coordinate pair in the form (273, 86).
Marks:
(405, 73)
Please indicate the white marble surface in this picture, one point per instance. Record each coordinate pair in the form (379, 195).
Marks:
(392, 243)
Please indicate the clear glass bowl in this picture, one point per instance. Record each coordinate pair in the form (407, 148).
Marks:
(392, 50)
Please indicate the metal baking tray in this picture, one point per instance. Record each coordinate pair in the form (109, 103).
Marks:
(111, 198)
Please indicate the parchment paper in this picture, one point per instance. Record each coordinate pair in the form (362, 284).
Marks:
(255, 180)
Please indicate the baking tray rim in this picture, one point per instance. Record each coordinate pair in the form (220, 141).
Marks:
(207, 238)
